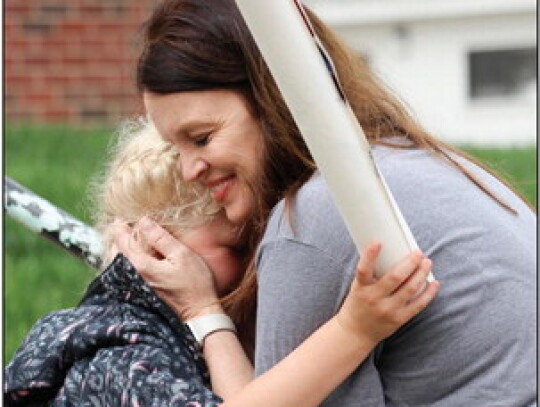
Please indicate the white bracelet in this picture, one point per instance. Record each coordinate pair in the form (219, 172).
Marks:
(203, 326)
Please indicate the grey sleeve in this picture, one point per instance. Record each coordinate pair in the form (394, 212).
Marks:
(300, 288)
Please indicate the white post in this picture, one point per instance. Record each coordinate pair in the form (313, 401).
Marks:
(332, 134)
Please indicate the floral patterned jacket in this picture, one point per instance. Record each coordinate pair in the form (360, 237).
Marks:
(122, 346)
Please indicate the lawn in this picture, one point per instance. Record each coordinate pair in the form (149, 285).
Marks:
(517, 166)
(57, 162)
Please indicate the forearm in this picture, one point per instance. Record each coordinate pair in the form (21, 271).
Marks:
(230, 369)
(302, 378)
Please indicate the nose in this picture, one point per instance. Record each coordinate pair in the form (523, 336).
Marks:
(192, 167)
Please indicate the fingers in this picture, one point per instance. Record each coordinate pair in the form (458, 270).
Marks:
(418, 303)
(365, 270)
(126, 243)
(122, 237)
(416, 283)
(415, 293)
(158, 238)
(397, 276)
(133, 249)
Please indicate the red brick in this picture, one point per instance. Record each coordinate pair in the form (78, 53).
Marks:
(16, 79)
(58, 80)
(57, 114)
(74, 56)
(74, 28)
(37, 98)
(36, 28)
(19, 43)
(38, 60)
(92, 10)
(77, 61)
(55, 9)
(15, 10)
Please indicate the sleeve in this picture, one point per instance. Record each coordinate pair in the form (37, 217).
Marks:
(137, 375)
(300, 288)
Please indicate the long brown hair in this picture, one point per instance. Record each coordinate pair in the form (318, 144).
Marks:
(204, 44)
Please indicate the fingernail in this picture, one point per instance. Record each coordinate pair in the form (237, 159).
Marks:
(376, 246)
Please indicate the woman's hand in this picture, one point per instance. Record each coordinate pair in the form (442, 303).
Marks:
(375, 309)
(178, 275)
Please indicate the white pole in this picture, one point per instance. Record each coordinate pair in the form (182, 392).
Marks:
(46, 219)
(332, 134)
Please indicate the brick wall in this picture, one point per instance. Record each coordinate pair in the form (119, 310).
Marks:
(72, 61)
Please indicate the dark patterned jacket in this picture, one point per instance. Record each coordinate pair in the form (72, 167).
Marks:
(122, 346)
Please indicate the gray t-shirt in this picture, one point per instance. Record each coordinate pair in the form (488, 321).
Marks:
(475, 345)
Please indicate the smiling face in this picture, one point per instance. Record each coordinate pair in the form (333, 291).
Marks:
(220, 144)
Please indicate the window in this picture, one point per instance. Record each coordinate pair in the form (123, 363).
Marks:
(509, 74)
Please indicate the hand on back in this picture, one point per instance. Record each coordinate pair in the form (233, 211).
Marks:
(377, 308)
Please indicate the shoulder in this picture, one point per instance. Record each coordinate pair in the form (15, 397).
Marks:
(311, 209)
(448, 214)
(311, 219)
(405, 169)
(425, 184)
(408, 168)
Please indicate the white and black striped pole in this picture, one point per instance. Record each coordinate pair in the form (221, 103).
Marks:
(44, 218)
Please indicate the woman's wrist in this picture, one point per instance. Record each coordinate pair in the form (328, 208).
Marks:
(208, 324)
(354, 335)
(192, 311)
(210, 308)
(230, 369)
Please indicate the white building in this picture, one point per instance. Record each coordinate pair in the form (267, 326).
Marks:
(466, 68)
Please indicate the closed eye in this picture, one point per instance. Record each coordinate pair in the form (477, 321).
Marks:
(202, 141)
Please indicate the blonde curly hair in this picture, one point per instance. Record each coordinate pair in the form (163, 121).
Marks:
(142, 177)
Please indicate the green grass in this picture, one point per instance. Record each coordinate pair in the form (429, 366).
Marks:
(515, 165)
(57, 162)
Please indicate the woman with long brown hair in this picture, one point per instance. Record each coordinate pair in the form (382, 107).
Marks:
(122, 346)
(208, 91)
